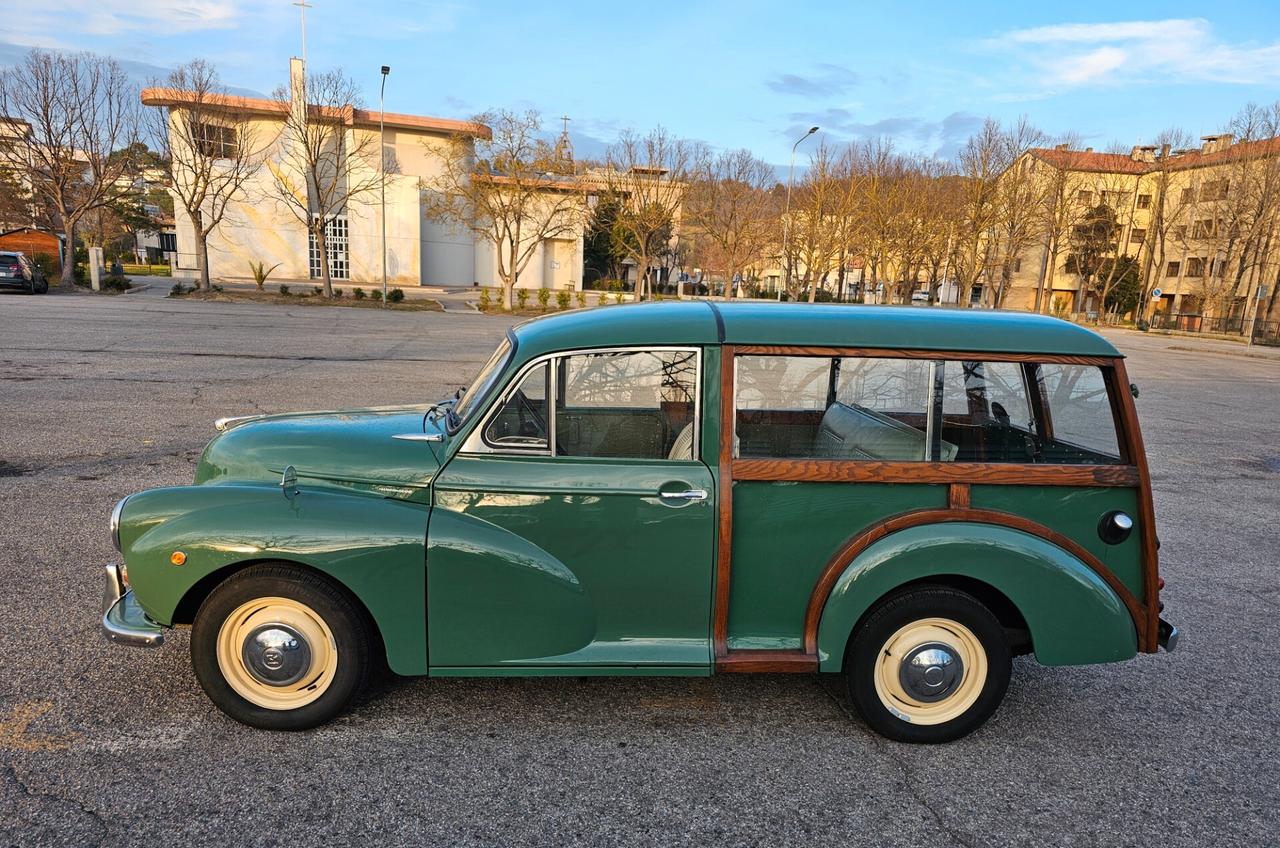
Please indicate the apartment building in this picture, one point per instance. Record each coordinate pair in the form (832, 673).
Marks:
(1200, 224)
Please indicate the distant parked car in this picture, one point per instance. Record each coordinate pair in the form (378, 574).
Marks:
(920, 297)
(18, 272)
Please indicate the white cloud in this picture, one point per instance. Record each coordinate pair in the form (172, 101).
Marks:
(50, 22)
(1175, 49)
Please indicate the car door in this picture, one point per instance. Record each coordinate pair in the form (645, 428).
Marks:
(575, 526)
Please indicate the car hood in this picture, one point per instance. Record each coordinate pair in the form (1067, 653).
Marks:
(351, 448)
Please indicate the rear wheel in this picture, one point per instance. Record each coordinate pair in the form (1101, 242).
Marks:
(929, 665)
(280, 648)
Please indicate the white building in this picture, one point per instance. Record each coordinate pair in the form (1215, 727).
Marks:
(420, 251)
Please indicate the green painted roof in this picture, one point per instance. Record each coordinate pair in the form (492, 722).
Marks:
(835, 325)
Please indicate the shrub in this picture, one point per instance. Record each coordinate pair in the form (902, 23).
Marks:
(1061, 304)
(178, 290)
(544, 297)
(522, 298)
(357, 293)
(562, 298)
(617, 297)
(602, 299)
(216, 287)
(80, 276)
(396, 295)
(337, 292)
(822, 296)
(284, 290)
(45, 263)
(317, 290)
(260, 272)
(581, 297)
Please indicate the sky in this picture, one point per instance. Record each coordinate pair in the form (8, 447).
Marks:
(732, 73)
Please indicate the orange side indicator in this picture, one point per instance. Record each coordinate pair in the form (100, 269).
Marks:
(177, 557)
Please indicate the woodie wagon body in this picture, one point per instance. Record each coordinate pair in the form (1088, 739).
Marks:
(907, 496)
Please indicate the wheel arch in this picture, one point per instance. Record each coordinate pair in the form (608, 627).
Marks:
(1070, 614)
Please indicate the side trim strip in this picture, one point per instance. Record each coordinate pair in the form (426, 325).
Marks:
(871, 471)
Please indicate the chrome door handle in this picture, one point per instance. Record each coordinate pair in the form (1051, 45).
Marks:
(686, 495)
(419, 437)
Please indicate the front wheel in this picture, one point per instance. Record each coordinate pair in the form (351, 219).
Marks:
(929, 665)
(280, 648)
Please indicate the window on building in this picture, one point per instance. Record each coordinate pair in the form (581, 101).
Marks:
(336, 238)
(215, 141)
(1180, 232)
(1205, 228)
(1172, 269)
(1195, 266)
(1017, 265)
(169, 242)
(1137, 235)
(1144, 201)
(1084, 196)
(1188, 195)
(1214, 190)
(1116, 199)
(904, 410)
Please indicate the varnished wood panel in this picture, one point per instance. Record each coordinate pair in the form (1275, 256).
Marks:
(895, 353)
(1009, 474)
(1132, 442)
(793, 662)
(856, 545)
(724, 558)
(958, 496)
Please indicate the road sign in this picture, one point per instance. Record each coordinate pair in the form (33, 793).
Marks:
(1156, 293)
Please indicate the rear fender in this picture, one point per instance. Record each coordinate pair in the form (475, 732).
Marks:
(1073, 616)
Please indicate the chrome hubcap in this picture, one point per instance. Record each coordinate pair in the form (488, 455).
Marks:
(931, 672)
(276, 654)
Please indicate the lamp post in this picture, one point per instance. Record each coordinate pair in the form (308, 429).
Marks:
(786, 218)
(382, 173)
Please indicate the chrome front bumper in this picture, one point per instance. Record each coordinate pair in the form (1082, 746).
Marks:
(1168, 636)
(123, 621)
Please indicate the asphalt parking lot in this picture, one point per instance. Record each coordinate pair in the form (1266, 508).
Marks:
(102, 745)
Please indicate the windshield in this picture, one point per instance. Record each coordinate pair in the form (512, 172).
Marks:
(483, 382)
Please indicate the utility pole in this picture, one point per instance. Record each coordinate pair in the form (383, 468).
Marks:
(382, 173)
(786, 218)
(303, 6)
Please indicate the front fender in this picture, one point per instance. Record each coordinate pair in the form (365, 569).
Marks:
(1073, 615)
(375, 547)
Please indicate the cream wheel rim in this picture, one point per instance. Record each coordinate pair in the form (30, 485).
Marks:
(277, 653)
(930, 671)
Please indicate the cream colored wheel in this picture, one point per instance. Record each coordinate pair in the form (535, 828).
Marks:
(277, 653)
(930, 671)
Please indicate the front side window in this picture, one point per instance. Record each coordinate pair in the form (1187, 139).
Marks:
(521, 421)
(903, 410)
(603, 404)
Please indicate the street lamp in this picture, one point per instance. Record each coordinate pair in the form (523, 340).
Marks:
(786, 218)
(382, 173)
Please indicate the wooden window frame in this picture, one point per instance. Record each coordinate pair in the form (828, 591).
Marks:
(1131, 473)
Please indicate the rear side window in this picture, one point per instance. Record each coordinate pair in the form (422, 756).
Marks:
(902, 410)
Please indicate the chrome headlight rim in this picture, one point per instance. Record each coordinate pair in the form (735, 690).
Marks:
(115, 522)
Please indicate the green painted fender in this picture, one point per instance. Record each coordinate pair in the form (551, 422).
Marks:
(1074, 617)
(375, 547)
(497, 598)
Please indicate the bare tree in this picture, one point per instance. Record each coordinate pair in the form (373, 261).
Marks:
(731, 210)
(649, 174)
(1018, 221)
(62, 116)
(981, 161)
(207, 143)
(506, 188)
(325, 162)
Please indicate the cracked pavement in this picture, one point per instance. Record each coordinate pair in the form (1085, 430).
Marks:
(101, 745)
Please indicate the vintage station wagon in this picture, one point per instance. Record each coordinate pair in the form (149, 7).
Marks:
(910, 497)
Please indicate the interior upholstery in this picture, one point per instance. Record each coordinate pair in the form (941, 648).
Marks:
(849, 432)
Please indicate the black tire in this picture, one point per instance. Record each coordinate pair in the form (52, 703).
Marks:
(867, 649)
(350, 626)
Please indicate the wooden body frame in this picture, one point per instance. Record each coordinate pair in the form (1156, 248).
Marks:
(1133, 473)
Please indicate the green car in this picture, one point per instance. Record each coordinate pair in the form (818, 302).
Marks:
(908, 497)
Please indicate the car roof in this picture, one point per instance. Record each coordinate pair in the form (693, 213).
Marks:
(804, 324)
